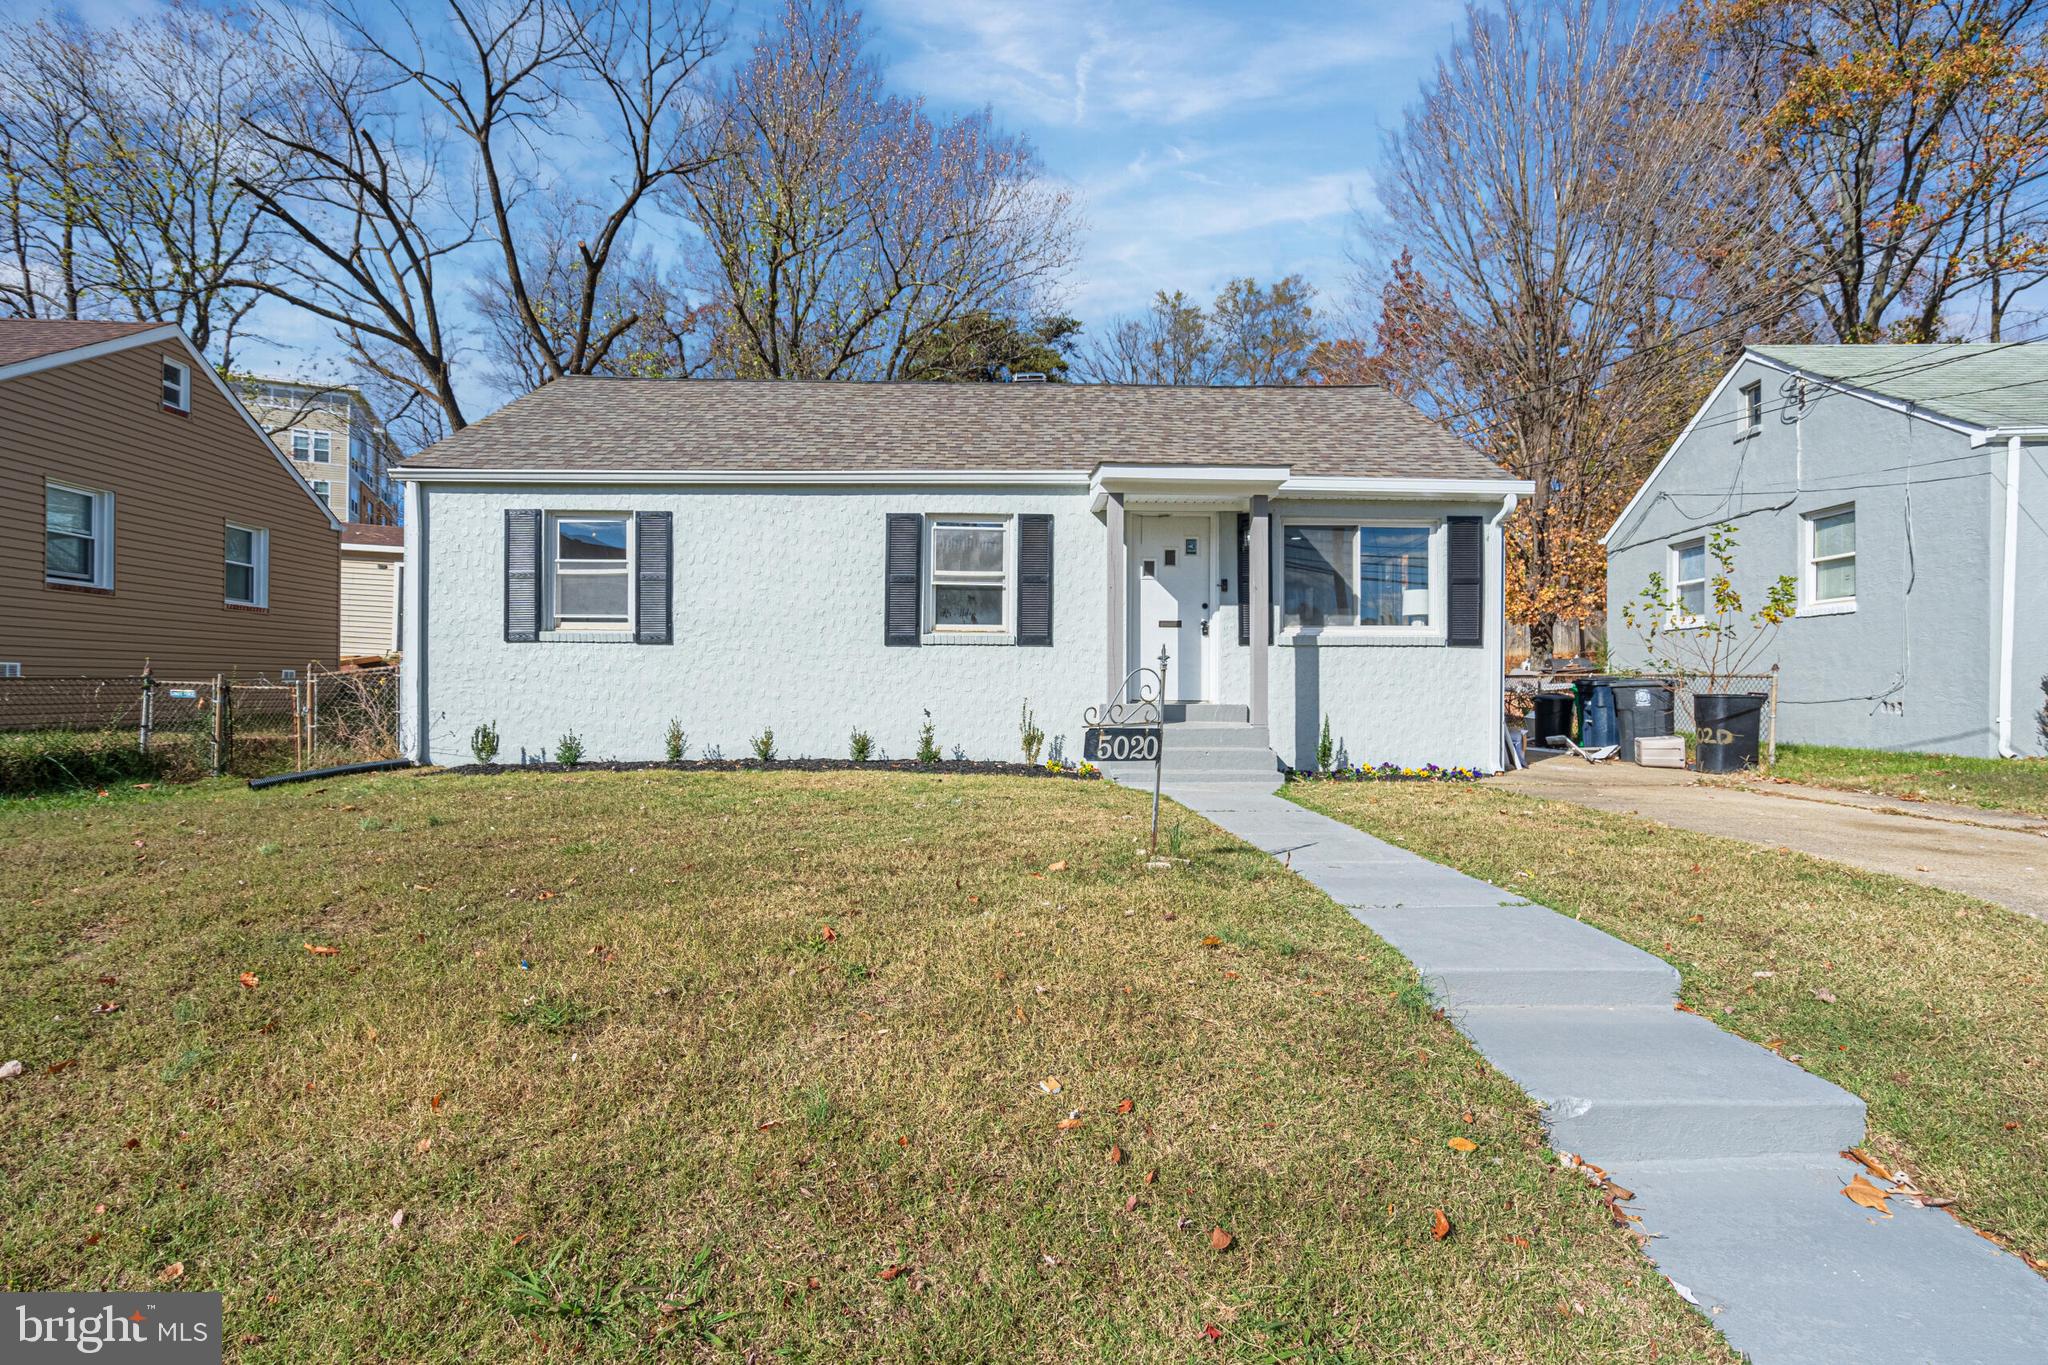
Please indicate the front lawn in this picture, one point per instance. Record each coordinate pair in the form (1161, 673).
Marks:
(754, 1064)
(1988, 783)
(1929, 1005)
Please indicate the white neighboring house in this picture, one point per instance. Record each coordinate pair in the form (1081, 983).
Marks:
(605, 555)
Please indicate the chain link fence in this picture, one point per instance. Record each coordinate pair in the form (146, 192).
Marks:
(85, 731)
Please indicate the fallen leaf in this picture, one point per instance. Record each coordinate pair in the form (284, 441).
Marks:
(1151, 1177)
(1219, 1240)
(1684, 1008)
(1868, 1162)
(398, 1219)
(1522, 1242)
(174, 1271)
(248, 980)
(545, 895)
(435, 1103)
(903, 1141)
(106, 1007)
(892, 1272)
(110, 981)
(422, 1145)
(1462, 1144)
(1862, 1192)
(1060, 866)
(1124, 1106)
(1131, 1204)
(828, 933)
(1051, 1085)
(93, 1240)
(1116, 1155)
(1439, 1226)
(1466, 1116)
(132, 1143)
(1824, 995)
(320, 949)
(1212, 1331)
(1212, 942)
(54, 1067)
(1070, 1123)
(764, 1127)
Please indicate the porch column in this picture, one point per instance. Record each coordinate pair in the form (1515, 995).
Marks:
(1260, 588)
(1118, 630)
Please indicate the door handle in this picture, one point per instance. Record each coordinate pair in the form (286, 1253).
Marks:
(1169, 625)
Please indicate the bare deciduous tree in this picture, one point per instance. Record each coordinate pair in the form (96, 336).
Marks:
(843, 228)
(1909, 139)
(1251, 334)
(1584, 248)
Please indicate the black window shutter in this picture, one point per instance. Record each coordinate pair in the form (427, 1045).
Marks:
(1467, 581)
(653, 578)
(1244, 578)
(903, 588)
(522, 575)
(1034, 580)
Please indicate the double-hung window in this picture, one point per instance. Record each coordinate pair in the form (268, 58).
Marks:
(1689, 580)
(1831, 559)
(1749, 413)
(1357, 575)
(247, 560)
(321, 489)
(590, 573)
(317, 446)
(970, 573)
(78, 537)
(177, 392)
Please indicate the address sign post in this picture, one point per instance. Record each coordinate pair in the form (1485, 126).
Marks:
(1131, 730)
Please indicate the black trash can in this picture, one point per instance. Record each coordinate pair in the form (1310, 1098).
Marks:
(1596, 712)
(1730, 726)
(1642, 710)
(1552, 717)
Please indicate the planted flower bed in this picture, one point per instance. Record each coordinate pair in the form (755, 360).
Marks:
(1387, 772)
(979, 767)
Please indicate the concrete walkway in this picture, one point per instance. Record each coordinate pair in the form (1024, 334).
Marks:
(1733, 1153)
(1992, 855)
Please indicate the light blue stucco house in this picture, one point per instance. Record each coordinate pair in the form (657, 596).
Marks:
(605, 555)
(1905, 489)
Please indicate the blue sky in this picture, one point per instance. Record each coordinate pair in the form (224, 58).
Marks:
(1204, 141)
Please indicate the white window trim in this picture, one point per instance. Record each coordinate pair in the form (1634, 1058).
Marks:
(312, 455)
(323, 489)
(10, 670)
(102, 537)
(1749, 422)
(1680, 619)
(1810, 601)
(1435, 633)
(259, 548)
(184, 403)
(935, 634)
(553, 628)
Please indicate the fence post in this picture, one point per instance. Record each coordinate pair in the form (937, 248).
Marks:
(312, 713)
(148, 709)
(220, 724)
(1771, 751)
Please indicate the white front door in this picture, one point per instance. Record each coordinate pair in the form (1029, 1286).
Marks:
(1172, 557)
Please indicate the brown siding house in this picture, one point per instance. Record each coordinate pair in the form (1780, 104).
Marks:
(144, 517)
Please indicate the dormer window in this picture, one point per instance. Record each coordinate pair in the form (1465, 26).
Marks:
(177, 386)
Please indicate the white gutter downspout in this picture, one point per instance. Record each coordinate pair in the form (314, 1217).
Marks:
(1500, 646)
(2007, 603)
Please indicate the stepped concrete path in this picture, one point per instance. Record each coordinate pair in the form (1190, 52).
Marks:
(1734, 1155)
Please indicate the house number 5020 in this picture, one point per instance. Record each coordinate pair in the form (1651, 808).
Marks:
(1122, 744)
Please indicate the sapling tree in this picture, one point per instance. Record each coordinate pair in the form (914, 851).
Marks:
(1716, 640)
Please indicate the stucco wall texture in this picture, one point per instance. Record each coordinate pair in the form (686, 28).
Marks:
(778, 623)
(1914, 665)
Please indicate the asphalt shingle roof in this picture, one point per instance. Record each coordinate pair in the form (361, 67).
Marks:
(736, 426)
(33, 338)
(1995, 384)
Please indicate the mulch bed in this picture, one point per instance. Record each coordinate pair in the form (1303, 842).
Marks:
(977, 767)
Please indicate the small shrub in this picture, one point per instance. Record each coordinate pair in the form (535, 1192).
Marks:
(569, 750)
(1029, 735)
(483, 742)
(1326, 748)
(861, 746)
(715, 753)
(928, 742)
(764, 745)
(676, 743)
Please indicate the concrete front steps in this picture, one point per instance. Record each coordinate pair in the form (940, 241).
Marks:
(1207, 744)
(1733, 1154)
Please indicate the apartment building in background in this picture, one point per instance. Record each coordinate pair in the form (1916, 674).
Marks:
(334, 441)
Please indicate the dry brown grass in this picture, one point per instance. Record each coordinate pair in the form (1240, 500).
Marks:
(692, 1125)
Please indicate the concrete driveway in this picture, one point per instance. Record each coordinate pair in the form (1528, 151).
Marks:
(1997, 857)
